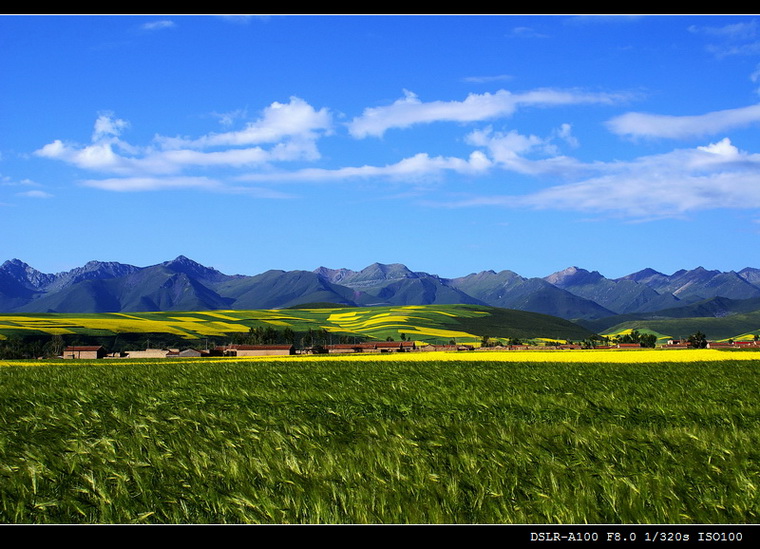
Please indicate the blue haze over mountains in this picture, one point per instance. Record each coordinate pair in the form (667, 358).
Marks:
(185, 285)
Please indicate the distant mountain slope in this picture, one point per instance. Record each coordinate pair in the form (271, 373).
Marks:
(183, 284)
(276, 289)
(512, 291)
(374, 276)
(621, 296)
(698, 284)
(15, 290)
(716, 307)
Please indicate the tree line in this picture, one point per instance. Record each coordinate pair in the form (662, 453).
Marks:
(32, 347)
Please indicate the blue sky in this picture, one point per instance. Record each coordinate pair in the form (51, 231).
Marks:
(452, 144)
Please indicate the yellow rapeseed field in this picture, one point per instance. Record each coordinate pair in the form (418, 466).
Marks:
(576, 356)
(419, 330)
(645, 356)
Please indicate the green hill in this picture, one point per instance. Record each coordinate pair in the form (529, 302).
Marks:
(428, 323)
(732, 326)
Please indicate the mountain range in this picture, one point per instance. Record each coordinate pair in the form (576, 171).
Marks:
(185, 285)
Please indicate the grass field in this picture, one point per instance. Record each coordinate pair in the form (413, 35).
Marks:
(521, 437)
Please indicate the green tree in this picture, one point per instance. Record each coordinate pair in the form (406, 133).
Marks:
(697, 340)
(648, 340)
(55, 346)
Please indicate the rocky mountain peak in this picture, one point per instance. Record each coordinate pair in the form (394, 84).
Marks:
(573, 276)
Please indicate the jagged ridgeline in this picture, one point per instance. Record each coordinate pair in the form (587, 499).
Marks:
(600, 304)
(185, 285)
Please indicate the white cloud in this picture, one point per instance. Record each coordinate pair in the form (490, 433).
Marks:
(228, 118)
(106, 126)
(565, 133)
(409, 110)
(732, 39)
(723, 148)
(635, 124)
(158, 25)
(296, 119)
(285, 132)
(526, 32)
(417, 167)
(510, 150)
(148, 184)
(487, 79)
(735, 31)
(99, 156)
(130, 184)
(714, 176)
(35, 194)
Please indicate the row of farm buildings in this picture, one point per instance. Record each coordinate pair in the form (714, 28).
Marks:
(95, 352)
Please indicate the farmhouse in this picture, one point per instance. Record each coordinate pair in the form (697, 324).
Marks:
(447, 348)
(84, 351)
(343, 348)
(187, 353)
(394, 346)
(372, 347)
(147, 353)
(720, 344)
(259, 350)
(628, 346)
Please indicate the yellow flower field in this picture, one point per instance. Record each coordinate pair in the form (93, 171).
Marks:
(575, 356)
(646, 356)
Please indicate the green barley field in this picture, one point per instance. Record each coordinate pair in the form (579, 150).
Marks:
(387, 441)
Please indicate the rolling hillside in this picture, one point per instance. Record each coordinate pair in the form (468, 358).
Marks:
(429, 323)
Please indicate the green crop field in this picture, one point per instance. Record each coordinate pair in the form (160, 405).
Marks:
(429, 323)
(393, 439)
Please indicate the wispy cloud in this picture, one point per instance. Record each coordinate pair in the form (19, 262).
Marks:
(285, 132)
(526, 32)
(149, 184)
(744, 30)
(637, 124)
(157, 25)
(416, 168)
(410, 110)
(741, 38)
(35, 194)
(242, 19)
(278, 121)
(33, 189)
(510, 151)
(487, 79)
(714, 176)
